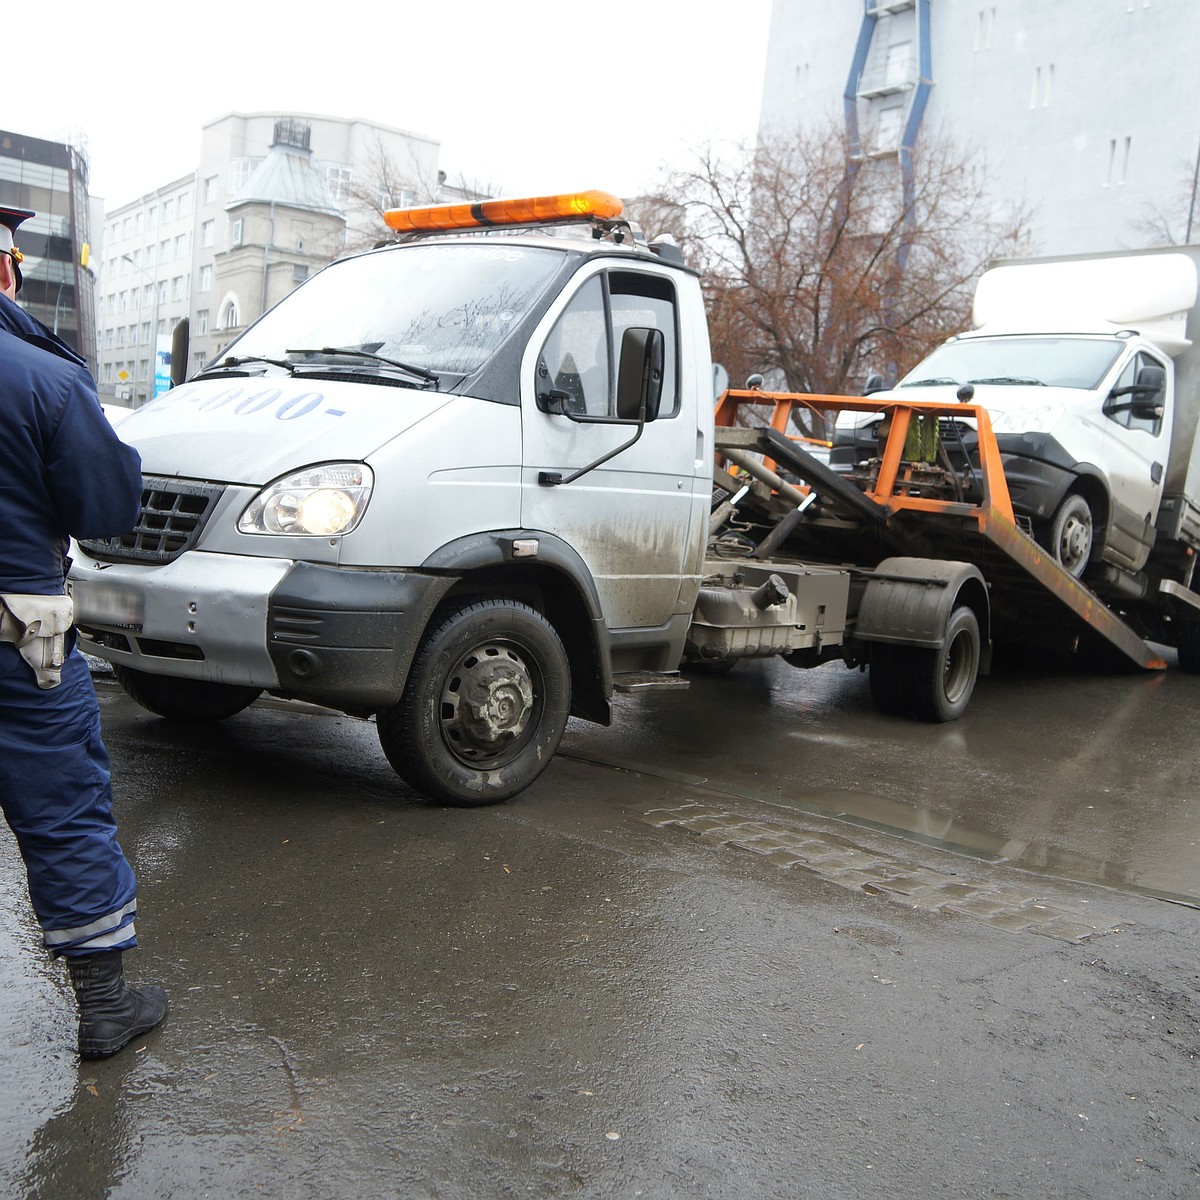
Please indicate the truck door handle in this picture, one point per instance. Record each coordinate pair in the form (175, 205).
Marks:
(1156, 472)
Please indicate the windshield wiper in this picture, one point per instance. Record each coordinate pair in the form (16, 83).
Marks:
(230, 364)
(353, 352)
(932, 381)
(1016, 380)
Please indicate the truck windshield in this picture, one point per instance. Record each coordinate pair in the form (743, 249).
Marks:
(443, 308)
(1069, 362)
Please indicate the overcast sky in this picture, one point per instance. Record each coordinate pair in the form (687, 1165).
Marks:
(531, 97)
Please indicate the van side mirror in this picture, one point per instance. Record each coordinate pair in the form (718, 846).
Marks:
(640, 374)
(1147, 395)
(179, 352)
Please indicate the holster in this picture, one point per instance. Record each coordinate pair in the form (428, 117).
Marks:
(38, 627)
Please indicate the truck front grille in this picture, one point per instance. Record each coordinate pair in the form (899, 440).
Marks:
(173, 513)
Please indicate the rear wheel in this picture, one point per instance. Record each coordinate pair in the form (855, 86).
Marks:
(485, 705)
(184, 699)
(1071, 534)
(930, 684)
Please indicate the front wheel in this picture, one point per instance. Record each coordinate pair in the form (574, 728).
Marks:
(930, 684)
(485, 705)
(196, 700)
(1071, 535)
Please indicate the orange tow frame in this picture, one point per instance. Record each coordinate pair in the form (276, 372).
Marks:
(889, 489)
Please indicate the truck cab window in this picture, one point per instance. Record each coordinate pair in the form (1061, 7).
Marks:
(575, 357)
(579, 357)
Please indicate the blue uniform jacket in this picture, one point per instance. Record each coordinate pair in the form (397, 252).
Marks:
(63, 470)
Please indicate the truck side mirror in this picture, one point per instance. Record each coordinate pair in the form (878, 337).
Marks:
(640, 373)
(1146, 395)
(874, 383)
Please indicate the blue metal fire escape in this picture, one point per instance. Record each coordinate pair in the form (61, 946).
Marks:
(888, 89)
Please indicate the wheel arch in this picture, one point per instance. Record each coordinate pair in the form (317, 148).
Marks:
(556, 582)
(908, 602)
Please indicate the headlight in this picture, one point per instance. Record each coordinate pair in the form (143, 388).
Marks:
(318, 501)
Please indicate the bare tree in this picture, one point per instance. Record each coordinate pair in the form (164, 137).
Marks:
(815, 268)
(380, 183)
(1176, 221)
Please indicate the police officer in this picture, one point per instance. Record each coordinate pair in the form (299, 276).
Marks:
(63, 471)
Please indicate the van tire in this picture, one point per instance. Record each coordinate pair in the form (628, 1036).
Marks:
(932, 684)
(484, 707)
(185, 699)
(1071, 535)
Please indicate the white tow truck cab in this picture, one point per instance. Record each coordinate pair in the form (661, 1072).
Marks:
(512, 433)
(1088, 368)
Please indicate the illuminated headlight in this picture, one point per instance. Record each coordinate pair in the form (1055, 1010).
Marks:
(318, 501)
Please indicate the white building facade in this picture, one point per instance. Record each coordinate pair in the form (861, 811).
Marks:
(156, 259)
(1083, 112)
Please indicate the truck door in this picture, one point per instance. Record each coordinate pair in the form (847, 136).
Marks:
(629, 519)
(1136, 449)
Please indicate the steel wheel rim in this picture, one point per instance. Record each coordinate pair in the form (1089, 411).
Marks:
(489, 702)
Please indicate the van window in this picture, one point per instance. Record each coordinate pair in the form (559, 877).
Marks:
(579, 357)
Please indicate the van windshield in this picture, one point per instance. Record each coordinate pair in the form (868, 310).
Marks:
(1069, 362)
(443, 308)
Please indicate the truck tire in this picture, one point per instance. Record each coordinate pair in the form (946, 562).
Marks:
(485, 705)
(932, 685)
(1071, 534)
(184, 699)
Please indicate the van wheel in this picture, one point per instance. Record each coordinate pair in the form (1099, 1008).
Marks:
(184, 699)
(1070, 535)
(930, 684)
(485, 705)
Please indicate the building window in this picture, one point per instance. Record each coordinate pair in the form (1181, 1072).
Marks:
(200, 359)
(145, 333)
(181, 246)
(228, 316)
(168, 210)
(185, 204)
(162, 292)
(202, 322)
(177, 288)
(143, 368)
(206, 233)
(984, 28)
(240, 169)
(1043, 85)
(164, 248)
(235, 232)
(121, 336)
(205, 278)
(210, 190)
(337, 180)
(1118, 161)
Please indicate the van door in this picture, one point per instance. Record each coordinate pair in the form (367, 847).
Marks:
(629, 519)
(1136, 451)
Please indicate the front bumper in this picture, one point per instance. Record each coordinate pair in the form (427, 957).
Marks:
(336, 636)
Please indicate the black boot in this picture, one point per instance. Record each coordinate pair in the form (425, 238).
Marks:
(111, 1013)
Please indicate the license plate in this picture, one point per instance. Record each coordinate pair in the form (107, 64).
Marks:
(100, 603)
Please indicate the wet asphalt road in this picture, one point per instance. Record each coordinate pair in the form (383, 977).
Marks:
(665, 971)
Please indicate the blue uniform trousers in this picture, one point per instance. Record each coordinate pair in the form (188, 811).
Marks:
(56, 796)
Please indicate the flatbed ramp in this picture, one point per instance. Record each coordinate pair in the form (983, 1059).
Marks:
(1033, 600)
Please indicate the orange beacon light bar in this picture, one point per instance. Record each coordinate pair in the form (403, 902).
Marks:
(485, 214)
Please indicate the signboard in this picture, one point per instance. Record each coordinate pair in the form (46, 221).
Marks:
(162, 364)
